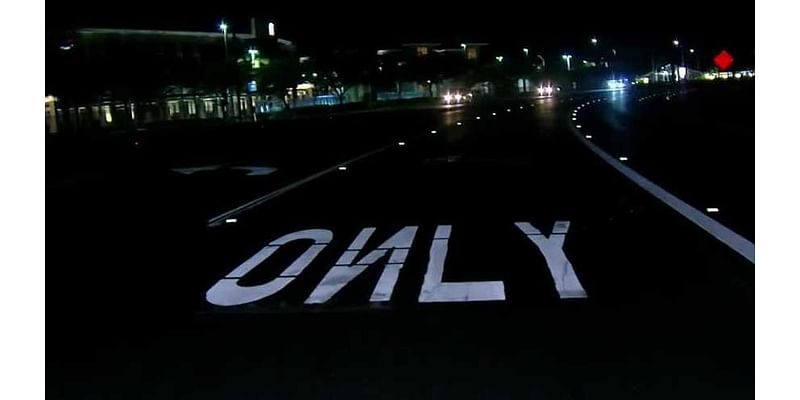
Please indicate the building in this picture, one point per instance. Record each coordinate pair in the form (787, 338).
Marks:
(99, 77)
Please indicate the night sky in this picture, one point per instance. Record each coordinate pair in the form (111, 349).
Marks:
(537, 25)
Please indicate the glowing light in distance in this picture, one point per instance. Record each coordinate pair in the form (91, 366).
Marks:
(342, 168)
(433, 131)
(623, 158)
(712, 209)
(588, 136)
(401, 143)
(230, 221)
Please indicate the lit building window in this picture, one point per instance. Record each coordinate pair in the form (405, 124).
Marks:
(208, 105)
(472, 53)
(191, 107)
(174, 108)
(422, 51)
(107, 113)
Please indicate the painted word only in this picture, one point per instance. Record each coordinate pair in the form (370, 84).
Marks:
(355, 260)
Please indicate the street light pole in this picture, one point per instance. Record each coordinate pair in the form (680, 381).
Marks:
(567, 57)
(677, 44)
(224, 28)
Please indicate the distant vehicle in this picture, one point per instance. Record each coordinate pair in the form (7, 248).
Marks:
(456, 97)
(547, 89)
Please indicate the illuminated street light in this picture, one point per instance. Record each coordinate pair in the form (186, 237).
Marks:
(499, 58)
(224, 28)
(676, 42)
(691, 50)
(594, 40)
(525, 50)
(271, 28)
(567, 57)
(254, 62)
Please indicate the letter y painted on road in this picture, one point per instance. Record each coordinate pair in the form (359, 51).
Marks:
(567, 283)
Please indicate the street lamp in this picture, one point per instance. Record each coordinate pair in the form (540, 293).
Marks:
(691, 51)
(594, 41)
(567, 57)
(253, 62)
(677, 44)
(525, 50)
(224, 28)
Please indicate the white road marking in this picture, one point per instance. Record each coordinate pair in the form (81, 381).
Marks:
(346, 269)
(269, 196)
(567, 283)
(434, 290)
(228, 292)
(192, 170)
(256, 171)
(251, 170)
(733, 240)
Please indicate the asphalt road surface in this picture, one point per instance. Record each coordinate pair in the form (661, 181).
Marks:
(474, 252)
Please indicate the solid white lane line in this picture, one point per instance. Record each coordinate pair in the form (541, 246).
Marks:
(733, 240)
(219, 219)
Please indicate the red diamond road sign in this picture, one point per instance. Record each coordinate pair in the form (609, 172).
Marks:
(723, 60)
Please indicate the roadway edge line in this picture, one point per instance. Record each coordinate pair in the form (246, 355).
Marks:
(219, 219)
(733, 240)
